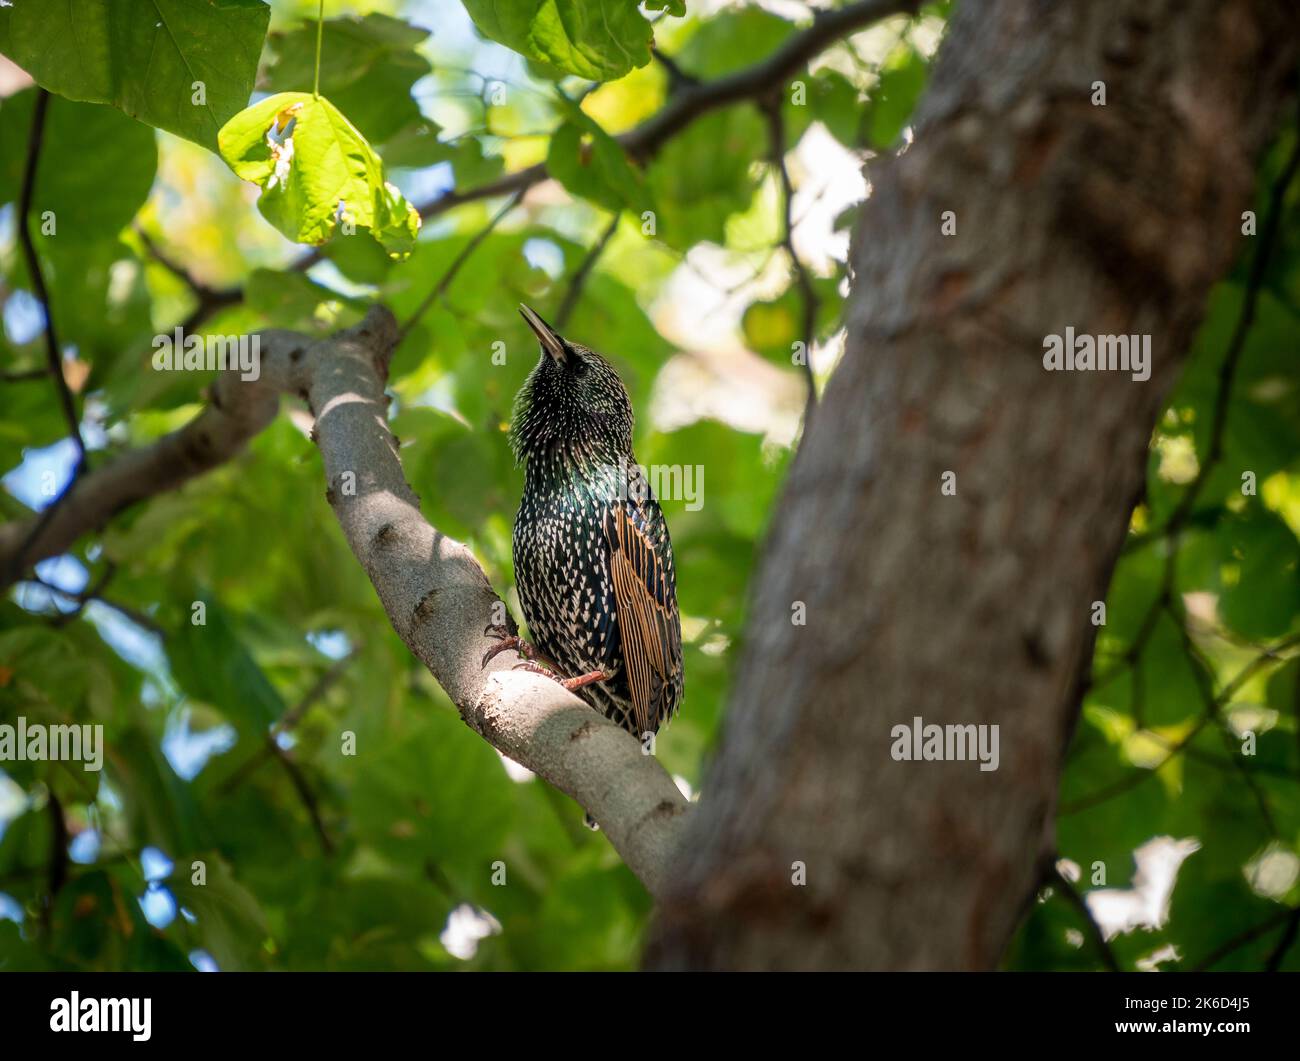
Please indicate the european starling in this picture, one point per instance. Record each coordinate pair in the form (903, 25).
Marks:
(593, 561)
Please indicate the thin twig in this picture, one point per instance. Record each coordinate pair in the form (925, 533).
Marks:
(1224, 696)
(678, 79)
(441, 287)
(287, 722)
(1103, 948)
(208, 298)
(307, 796)
(93, 593)
(1242, 938)
(1284, 944)
(82, 599)
(57, 867)
(808, 330)
(579, 281)
(53, 352)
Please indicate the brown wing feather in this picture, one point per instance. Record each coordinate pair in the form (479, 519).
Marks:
(651, 639)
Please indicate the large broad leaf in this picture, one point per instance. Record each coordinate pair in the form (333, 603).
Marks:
(902, 79)
(433, 793)
(159, 807)
(597, 39)
(590, 163)
(704, 175)
(95, 171)
(212, 665)
(228, 919)
(183, 65)
(1261, 564)
(732, 40)
(317, 172)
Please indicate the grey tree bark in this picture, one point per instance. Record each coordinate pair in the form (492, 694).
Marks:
(971, 608)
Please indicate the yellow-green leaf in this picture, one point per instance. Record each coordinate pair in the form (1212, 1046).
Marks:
(317, 172)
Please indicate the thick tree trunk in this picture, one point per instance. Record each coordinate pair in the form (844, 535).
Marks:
(971, 608)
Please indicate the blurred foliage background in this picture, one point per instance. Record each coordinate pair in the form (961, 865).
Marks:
(223, 741)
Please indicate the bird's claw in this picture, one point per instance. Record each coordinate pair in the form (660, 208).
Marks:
(533, 668)
(507, 642)
(501, 646)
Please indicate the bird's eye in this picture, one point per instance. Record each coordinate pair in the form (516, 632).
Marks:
(580, 368)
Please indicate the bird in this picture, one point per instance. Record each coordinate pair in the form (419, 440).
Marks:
(592, 554)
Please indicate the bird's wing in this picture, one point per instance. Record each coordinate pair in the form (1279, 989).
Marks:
(650, 628)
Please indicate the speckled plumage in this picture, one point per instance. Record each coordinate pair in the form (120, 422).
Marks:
(593, 559)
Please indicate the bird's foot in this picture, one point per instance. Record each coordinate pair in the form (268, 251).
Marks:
(507, 641)
(590, 822)
(589, 678)
(533, 667)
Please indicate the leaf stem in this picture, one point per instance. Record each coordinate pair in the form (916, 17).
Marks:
(320, 28)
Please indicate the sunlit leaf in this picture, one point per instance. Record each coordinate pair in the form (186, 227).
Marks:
(186, 66)
(597, 39)
(317, 172)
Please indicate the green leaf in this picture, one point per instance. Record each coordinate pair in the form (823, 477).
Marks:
(95, 170)
(291, 299)
(772, 328)
(351, 48)
(1261, 571)
(704, 175)
(212, 665)
(159, 806)
(148, 57)
(591, 164)
(228, 919)
(435, 794)
(894, 98)
(596, 39)
(733, 39)
(316, 170)
(830, 99)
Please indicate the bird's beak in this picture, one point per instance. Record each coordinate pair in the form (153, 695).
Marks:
(546, 335)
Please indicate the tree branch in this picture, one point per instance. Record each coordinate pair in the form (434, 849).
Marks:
(53, 352)
(1248, 936)
(440, 603)
(807, 294)
(579, 281)
(449, 276)
(287, 722)
(238, 410)
(435, 593)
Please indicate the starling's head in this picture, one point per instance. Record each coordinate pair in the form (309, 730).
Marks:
(574, 398)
